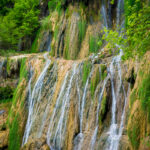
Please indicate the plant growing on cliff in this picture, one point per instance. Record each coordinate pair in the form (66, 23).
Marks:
(144, 94)
(94, 44)
(94, 82)
(86, 71)
(14, 135)
(82, 30)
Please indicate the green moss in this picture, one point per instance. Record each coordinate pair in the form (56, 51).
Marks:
(103, 71)
(82, 31)
(34, 47)
(14, 135)
(86, 71)
(134, 135)
(144, 94)
(133, 97)
(102, 109)
(66, 51)
(94, 82)
(8, 65)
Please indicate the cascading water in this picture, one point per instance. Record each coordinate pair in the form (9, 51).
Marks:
(57, 135)
(49, 43)
(115, 130)
(34, 98)
(93, 139)
(1, 66)
(104, 14)
(80, 137)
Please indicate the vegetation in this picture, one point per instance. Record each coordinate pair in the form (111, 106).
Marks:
(134, 135)
(86, 71)
(144, 94)
(19, 22)
(94, 82)
(82, 30)
(94, 44)
(103, 71)
(137, 31)
(6, 94)
(14, 135)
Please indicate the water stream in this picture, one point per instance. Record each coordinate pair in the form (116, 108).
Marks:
(34, 99)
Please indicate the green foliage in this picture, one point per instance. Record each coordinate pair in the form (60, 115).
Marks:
(23, 74)
(133, 134)
(144, 94)
(5, 6)
(103, 71)
(6, 94)
(46, 23)
(94, 82)
(86, 71)
(20, 22)
(138, 32)
(82, 30)
(130, 7)
(94, 44)
(14, 135)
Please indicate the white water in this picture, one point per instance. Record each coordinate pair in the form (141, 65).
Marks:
(104, 14)
(59, 133)
(34, 98)
(1, 66)
(94, 136)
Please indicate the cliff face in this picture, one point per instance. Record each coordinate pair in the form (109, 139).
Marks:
(68, 104)
(78, 95)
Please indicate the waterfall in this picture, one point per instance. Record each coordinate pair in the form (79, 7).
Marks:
(64, 101)
(80, 137)
(104, 14)
(49, 43)
(1, 67)
(94, 136)
(34, 98)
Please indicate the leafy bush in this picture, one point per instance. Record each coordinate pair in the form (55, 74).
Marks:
(6, 93)
(103, 71)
